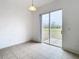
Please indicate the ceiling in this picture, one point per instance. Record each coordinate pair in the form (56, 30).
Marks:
(37, 3)
(24, 3)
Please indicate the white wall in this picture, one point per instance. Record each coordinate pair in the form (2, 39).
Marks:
(70, 22)
(71, 25)
(15, 23)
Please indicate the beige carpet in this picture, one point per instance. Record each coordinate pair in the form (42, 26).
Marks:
(33, 50)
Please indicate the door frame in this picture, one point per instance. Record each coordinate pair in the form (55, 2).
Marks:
(49, 27)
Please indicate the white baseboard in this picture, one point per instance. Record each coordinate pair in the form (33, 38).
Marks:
(12, 44)
(71, 50)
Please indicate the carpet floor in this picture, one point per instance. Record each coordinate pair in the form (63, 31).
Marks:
(32, 50)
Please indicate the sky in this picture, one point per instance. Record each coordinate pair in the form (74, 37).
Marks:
(55, 17)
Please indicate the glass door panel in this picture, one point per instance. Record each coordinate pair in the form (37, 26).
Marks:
(56, 28)
(45, 28)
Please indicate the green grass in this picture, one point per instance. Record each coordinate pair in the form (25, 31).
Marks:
(54, 32)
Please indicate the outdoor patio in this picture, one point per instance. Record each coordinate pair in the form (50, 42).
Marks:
(55, 42)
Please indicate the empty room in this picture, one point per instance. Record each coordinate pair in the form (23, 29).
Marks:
(39, 29)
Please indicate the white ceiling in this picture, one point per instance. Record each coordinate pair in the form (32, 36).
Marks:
(24, 3)
(37, 3)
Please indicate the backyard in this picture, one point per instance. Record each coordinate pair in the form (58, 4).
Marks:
(55, 36)
(54, 33)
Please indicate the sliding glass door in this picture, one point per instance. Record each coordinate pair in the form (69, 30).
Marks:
(45, 28)
(52, 27)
